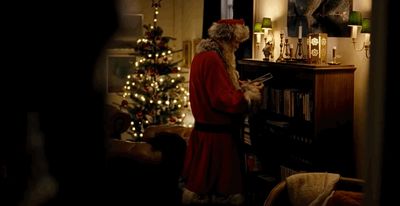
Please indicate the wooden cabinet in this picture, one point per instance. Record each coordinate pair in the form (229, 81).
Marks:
(305, 122)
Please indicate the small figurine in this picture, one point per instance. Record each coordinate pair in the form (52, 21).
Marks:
(268, 51)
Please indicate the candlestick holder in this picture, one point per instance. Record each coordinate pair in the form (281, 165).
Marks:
(334, 57)
(281, 45)
(287, 49)
(299, 49)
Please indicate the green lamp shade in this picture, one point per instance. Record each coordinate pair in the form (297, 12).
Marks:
(266, 23)
(366, 26)
(355, 18)
(257, 27)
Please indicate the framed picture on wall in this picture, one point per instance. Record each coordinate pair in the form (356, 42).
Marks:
(130, 27)
(118, 66)
(316, 16)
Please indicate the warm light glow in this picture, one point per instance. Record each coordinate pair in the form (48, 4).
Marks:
(367, 37)
(355, 22)
(354, 31)
(258, 38)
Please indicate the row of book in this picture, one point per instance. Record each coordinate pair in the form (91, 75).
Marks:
(290, 102)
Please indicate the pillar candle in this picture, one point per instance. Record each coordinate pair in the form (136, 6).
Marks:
(334, 52)
(300, 32)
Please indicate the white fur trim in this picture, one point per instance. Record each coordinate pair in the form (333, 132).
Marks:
(206, 45)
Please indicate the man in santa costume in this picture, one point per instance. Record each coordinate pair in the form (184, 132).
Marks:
(212, 170)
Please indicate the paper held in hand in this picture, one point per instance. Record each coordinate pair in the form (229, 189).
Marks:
(262, 78)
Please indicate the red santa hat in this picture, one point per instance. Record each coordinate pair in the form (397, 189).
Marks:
(229, 29)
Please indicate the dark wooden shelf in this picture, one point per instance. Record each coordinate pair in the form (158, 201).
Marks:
(319, 132)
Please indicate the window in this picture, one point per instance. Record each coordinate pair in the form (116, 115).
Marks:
(226, 9)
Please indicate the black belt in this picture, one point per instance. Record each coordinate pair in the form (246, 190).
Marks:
(215, 128)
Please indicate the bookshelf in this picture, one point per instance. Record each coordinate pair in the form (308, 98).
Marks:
(305, 121)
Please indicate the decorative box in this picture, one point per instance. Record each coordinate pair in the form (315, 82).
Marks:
(317, 44)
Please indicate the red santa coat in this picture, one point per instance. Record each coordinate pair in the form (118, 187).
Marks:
(212, 162)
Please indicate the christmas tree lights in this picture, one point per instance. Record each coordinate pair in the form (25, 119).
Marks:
(154, 91)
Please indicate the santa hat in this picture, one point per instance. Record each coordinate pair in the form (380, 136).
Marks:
(228, 29)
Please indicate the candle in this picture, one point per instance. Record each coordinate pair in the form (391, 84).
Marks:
(334, 53)
(300, 32)
(286, 31)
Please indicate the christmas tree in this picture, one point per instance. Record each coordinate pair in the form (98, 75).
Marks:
(154, 90)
